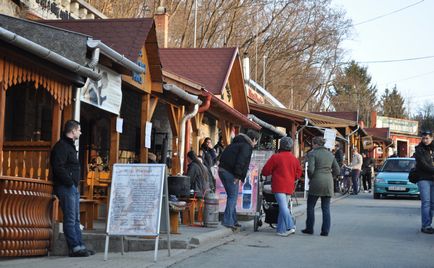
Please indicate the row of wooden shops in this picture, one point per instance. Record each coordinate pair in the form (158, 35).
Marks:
(131, 97)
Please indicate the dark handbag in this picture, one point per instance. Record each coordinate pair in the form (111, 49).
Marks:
(413, 176)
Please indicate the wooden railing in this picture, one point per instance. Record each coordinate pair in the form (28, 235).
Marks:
(26, 160)
(25, 216)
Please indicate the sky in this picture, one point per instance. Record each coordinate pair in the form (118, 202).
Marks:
(402, 35)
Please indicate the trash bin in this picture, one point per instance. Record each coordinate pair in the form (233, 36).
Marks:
(179, 185)
(211, 210)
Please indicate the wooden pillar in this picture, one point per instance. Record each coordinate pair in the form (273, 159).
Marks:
(114, 143)
(144, 117)
(56, 126)
(226, 131)
(175, 114)
(67, 114)
(2, 123)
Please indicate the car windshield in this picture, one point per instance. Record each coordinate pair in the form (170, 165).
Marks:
(398, 165)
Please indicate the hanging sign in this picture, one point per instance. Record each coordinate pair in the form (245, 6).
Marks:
(106, 93)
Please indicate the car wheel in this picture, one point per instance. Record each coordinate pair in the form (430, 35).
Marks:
(377, 196)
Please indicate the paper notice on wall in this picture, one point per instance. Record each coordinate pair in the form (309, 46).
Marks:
(119, 124)
(330, 138)
(148, 132)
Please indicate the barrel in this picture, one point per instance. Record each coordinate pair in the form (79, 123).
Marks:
(211, 210)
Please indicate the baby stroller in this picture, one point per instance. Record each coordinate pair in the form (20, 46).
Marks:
(268, 208)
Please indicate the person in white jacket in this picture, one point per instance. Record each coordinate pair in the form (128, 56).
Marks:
(356, 166)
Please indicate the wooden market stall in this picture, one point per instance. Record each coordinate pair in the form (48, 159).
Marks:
(36, 96)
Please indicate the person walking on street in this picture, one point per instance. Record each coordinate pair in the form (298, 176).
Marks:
(356, 167)
(66, 177)
(367, 166)
(233, 167)
(284, 169)
(339, 155)
(322, 168)
(425, 173)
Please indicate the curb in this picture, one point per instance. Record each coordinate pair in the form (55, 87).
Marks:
(206, 237)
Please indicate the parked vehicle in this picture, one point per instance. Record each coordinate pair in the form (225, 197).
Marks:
(392, 178)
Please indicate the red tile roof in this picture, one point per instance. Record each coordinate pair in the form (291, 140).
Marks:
(209, 67)
(378, 132)
(342, 115)
(126, 36)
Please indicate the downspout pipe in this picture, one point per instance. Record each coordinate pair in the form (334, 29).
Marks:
(115, 56)
(266, 125)
(203, 108)
(45, 53)
(192, 99)
(182, 135)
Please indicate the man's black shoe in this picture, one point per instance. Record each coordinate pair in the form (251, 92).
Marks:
(306, 231)
(324, 234)
(91, 252)
(237, 225)
(427, 230)
(79, 253)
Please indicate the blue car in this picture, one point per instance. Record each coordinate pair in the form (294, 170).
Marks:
(392, 179)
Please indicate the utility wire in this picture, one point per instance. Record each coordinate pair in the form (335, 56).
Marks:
(408, 78)
(396, 60)
(387, 14)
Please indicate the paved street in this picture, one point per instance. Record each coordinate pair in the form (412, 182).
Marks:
(365, 233)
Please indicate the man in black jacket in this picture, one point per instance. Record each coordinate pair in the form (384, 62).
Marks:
(234, 164)
(425, 171)
(66, 177)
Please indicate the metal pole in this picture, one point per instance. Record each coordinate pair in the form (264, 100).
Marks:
(195, 23)
(263, 72)
(256, 45)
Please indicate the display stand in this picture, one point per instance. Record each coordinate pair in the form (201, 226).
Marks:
(138, 193)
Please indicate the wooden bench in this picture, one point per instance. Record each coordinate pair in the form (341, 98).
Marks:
(86, 212)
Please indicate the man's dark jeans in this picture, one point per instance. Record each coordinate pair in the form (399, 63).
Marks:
(325, 206)
(355, 174)
(69, 199)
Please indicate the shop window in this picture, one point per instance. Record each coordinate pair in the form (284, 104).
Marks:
(29, 113)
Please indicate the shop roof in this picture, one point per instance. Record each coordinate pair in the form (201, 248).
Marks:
(70, 45)
(127, 36)
(378, 132)
(352, 116)
(209, 67)
(281, 116)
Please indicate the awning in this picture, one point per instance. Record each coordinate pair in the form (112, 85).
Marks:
(282, 116)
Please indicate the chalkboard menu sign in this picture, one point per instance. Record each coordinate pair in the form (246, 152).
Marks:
(136, 199)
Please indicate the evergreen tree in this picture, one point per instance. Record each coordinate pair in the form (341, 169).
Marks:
(392, 104)
(353, 91)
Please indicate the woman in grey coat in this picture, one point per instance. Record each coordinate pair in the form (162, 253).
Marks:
(322, 168)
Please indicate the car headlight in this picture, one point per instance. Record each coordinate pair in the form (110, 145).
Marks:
(378, 180)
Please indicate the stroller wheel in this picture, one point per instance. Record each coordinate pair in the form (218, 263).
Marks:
(273, 225)
(260, 223)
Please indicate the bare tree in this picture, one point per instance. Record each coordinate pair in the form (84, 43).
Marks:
(301, 39)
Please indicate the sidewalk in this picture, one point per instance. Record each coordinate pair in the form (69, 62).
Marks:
(191, 241)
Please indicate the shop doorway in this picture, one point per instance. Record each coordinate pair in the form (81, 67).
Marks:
(95, 155)
(402, 148)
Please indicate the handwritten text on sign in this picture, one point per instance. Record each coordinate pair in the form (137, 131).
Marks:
(135, 201)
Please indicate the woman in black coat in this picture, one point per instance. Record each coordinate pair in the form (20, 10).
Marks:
(199, 175)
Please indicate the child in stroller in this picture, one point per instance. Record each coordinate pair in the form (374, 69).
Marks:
(268, 206)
